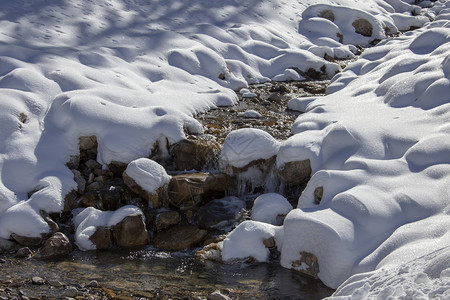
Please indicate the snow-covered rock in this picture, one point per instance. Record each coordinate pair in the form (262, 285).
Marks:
(270, 208)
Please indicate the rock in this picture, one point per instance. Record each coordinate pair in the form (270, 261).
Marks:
(74, 162)
(117, 168)
(318, 194)
(186, 191)
(217, 295)
(55, 283)
(102, 238)
(219, 213)
(57, 245)
(81, 182)
(93, 186)
(307, 264)
(92, 164)
(130, 232)
(88, 143)
(70, 291)
(327, 14)
(89, 199)
(363, 27)
(196, 154)
(269, 243)
(167, 219)
(54, 227)
(7, 245)
(110, 198)
(179, 237)
(153, 199)
(26, 241)
(24, 252)
(93, 283)
(275, 97)
(296, 172)
(37, 280)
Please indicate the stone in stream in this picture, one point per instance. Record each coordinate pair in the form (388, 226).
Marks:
(102, 238)
(179, 237)
(219, 213)
(131, 231)
(57, 245)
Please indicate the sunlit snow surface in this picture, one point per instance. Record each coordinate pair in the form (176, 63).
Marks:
(135, 72)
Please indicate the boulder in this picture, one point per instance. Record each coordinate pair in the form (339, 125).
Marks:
(187, 191)
(57, 245)
(130, 232)
(167, 219)
(102, 238)
(219, 213)
(196, 153)
(296, 172)
(179, 237)
(151, 198)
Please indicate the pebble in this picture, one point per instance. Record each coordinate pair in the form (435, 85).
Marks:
(55, 283)
(93, 283)
(24, 252)
(71, 292)
(2, 261)
(37, 280)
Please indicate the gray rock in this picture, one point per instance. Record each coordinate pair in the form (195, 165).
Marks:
(7, 245)
(217, 295)
(24, 252)
(81, 182)
(70, 292)
(55, 283)
(93, 283)
(92, 164)
(37, 280)
(219, 213)
(57, 245)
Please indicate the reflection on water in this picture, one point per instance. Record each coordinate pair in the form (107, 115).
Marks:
(175, 275)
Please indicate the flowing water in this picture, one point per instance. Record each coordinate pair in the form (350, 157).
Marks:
(152, 274)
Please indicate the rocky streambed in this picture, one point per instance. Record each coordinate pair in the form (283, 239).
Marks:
(202, 201)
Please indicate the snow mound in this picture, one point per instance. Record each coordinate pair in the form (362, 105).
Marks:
(245, 145)
(148, 174)
(270, 208)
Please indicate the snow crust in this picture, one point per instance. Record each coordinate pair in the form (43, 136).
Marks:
(268, 208)
(148, 174)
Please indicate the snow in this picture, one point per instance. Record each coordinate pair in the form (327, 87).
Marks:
(148, 174)
(135, 73)
(245, 145)
(268, 208)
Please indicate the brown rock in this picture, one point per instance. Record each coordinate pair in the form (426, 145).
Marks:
(88, 142)
(57, 245)
(152, 199)
(167, 219)
(296, 172)
(307, 264)
(186, 191)
(363, 27)
(269, 243)
(117, 167)
(327, 14)
(318, 194)
(196, 154)
(110, 198)
(88, 200)
(130, 232)
(26, 241)
(179, 237)
(102, 238)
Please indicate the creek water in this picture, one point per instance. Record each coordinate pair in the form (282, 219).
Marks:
(148, 273)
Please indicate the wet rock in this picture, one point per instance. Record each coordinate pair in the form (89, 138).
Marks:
(81, 182)
(211, 251)
(307, 264)
(363, 27)
(88, 200)
(7, 245)
(110, 198)
(167, 219)
(130, 232)
(102, 238)
(37, 280)
(198, 153)
(219, 213)
(57, 245)
(186, 191)
(296, 172)
(179, 237)
(26, 241)
(217, 295)
(24, 252)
